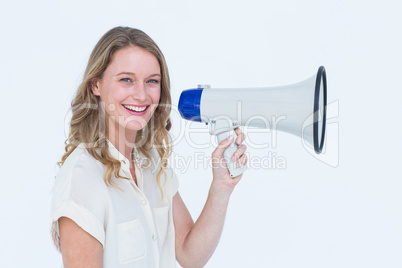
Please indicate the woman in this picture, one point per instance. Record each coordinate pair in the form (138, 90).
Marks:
(110, 208)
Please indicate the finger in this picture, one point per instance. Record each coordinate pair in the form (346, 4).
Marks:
(240, 136)
(222, 147)
(242, 161)
(239, 152)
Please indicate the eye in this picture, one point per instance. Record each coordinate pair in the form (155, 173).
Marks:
(127, 80)
(153, 81)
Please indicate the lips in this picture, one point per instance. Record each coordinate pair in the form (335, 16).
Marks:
(137, 109)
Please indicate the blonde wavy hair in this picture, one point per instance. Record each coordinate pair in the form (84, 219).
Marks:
(88, 124)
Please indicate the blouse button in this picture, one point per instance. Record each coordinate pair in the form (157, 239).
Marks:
(143, 202)
(154, 237)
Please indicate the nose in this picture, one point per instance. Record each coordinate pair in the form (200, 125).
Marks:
(139, 92)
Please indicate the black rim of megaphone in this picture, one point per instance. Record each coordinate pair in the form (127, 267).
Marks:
(320, 74)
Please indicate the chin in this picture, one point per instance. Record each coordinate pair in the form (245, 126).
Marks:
(135, 126)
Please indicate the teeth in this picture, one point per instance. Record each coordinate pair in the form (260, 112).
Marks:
(135, 108)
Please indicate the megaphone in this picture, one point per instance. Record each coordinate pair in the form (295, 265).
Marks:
(301, 107)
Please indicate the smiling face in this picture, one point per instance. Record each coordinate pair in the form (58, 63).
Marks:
(129, 89)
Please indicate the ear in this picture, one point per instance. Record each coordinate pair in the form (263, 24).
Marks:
(95, 87)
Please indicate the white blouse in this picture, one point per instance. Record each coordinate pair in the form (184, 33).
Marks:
(134, 226)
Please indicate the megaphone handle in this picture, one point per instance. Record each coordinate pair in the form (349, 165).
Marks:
(228, 153)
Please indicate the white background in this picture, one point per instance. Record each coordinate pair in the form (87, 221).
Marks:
(307, 215)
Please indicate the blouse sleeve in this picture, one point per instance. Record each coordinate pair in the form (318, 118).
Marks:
(77, 195)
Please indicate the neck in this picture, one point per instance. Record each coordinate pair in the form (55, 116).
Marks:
(122, 139)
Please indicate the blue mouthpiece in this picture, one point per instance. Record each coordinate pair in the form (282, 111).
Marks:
(189, 104)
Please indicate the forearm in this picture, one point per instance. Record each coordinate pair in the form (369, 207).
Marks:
(204, 236)
(196, 242)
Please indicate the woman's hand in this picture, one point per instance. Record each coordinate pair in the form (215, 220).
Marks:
(221, 177)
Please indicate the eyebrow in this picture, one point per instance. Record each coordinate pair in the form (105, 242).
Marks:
(129, 73)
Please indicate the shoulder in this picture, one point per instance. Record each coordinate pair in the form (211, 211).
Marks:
(81, 162)
(154, 159)
(79, 174)
(168, 180)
